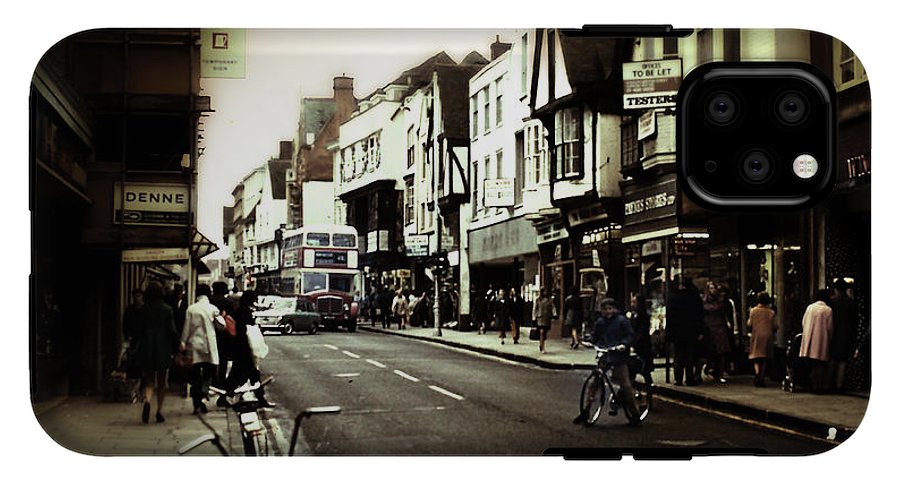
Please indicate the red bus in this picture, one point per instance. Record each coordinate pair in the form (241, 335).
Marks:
(321, 262)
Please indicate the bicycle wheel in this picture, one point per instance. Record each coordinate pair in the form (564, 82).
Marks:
(593, 397)
(643, 398)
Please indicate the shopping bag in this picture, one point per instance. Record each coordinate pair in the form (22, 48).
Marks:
(257, 343)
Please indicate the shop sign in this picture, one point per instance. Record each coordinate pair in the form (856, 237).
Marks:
(650, 248)
(646, 125)
(416, 245)
(651, 84)
(654, 202)
(154, 255)
(150, 204)
(499, 192)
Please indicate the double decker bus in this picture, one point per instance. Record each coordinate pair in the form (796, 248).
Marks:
(320, 262)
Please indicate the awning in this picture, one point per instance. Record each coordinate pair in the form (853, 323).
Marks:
(201, 246)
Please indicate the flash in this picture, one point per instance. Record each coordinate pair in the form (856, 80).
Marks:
(805, 166)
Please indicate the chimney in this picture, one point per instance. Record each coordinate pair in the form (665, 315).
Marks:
(498, 48)
(286, 150)
(343, 97)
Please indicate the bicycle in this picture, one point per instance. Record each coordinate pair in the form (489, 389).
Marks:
(252, 431)
(599, 390)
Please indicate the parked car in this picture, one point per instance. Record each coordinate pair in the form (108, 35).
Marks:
(289, 315)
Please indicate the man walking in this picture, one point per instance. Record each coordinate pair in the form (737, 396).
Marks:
(224, 340)
(684, 328)
(199, 338)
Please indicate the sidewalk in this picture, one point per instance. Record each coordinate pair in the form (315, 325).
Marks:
(90, 426)
(824, 416)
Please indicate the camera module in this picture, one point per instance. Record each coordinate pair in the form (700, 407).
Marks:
(756, 167)
(792, 108)
(721, 108)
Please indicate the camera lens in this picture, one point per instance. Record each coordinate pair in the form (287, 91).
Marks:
(792, 108)
(756, 167)
(721, 108)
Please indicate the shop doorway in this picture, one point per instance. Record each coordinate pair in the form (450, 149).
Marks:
(559, 279)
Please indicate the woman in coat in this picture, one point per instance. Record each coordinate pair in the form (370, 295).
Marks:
(199, 338)
(817, 330)
(400, 309)
(718, 344)
(516, 313)
(762, 328)
(543, 315)
(157, 342)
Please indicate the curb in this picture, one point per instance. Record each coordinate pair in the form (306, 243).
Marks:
(794, 424)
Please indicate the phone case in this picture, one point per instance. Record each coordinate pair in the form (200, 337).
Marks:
(485, 191)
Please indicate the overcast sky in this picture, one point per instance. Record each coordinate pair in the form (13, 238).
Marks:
(253, 114)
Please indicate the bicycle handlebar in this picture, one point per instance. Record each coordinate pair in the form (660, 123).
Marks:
(305, 414)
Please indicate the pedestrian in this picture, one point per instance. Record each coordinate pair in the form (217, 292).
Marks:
(612, 330)
(199, 338)
(373, 306)
(224, 340)
(478, 309)
(574, 315)
(516, 313)
(244, 366)
(543, 315)
(489, 298)
(178, 301)
(400, 309)
(423, 313)
(762, 327)
(845, 318)
(640, 322)
(718, 334)
(156, 341)
(384, 300)
(131, 318)
(814, 344)
(502, 312)
(684, 324)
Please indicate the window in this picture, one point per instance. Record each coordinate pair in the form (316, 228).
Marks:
(488, 173)
(344, 240)
(732, 40)
(498, 91)
(318, 239)
(487, 109)
(499, 158)
(314, 281)
(670, 47)
(849, 70)
(374, 157)
(631, 147)
(475, 116)
(523, 69)
(568, 142)
(535, 154)
(410, 148)
(520, 167)
(341, 282)
(410, 201)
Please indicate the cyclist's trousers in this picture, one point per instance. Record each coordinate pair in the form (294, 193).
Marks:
(620, 376)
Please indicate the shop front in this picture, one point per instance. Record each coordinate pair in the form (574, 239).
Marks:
(557, 269)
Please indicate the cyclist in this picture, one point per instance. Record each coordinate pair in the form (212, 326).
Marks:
(612, 330)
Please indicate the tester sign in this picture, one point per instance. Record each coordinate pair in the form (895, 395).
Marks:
(651, 84)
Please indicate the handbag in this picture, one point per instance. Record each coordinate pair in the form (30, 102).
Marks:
(257, 343)
(534, 334)
(184, 358)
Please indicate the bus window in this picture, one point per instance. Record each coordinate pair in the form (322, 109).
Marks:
(314, 281)
(345, 240)
(342, 282)
(318, 239)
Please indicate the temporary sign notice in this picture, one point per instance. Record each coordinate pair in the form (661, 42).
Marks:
(651, 84)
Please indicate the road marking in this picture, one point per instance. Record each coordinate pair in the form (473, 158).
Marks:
(332, 347)
(348, 374)
(406, 376)
(351, 354)
(376, 363)
(447, 393)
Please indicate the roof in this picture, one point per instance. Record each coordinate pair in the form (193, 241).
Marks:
(453, 85)
(277, 176)
(418, 76)
(591, 60)
(315, 114)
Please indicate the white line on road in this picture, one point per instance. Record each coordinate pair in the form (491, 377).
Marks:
(447, 393)
(376, 363)
(406, 376)
(332, 347)
(351, 354)
(348, 374)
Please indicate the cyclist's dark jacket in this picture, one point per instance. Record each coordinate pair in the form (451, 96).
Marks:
(612, 332)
